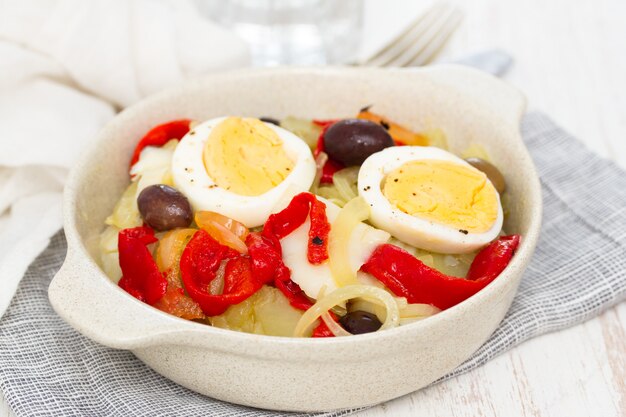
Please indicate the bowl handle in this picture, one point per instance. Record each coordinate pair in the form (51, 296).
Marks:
(117, 320)
(506, 102)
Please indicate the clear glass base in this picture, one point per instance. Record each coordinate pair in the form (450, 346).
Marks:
(292, 32)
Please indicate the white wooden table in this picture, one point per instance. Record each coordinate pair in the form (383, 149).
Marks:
(571, 62)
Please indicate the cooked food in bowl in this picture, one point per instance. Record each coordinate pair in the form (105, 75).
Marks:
(306, 228)
(465, 112)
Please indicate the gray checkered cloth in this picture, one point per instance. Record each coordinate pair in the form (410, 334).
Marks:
(578, 270)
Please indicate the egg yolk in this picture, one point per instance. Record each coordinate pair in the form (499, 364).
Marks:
(245, 156)
(443, 192)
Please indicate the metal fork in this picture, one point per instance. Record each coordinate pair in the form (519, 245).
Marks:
(419, 44)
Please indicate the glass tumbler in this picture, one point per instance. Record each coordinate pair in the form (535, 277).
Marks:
(292, 32)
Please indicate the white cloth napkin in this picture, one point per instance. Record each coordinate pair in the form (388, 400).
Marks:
(66, 68)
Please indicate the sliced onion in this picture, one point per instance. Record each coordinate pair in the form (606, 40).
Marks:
(339, 310)
(171, 247)
(450, 260)
(216, 286)
(333, 326)
(354, 212)
(320, 161)
(402, 303)
(343, 294)
(418, 310)
(345, 180)
(228, 238)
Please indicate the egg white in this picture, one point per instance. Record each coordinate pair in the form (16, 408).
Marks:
(421, 233)
(311, 278)
(191, 178)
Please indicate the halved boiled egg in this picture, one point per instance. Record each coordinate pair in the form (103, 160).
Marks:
(430, 199)
(241, 167)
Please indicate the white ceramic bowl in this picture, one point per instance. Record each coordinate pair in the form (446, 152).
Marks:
(285, 373)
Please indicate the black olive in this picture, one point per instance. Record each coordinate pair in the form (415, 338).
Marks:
(270, 120)
(351, 141)
(493, 173)
(359, 322)
(163, 207)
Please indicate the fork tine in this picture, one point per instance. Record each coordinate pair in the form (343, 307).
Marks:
(404, 40)
(426, 55)
(442, 24)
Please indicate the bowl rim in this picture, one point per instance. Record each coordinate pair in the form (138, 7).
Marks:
(78, 252)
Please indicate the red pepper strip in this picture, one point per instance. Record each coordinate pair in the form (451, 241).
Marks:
(243, 275)
(331, 166)
(324, 122)
(280, 224)
(199, 263)
(238, 278)
(322, 329)
(266, 256)
(406, 276)
(267, 260)
(297, 298)
(269, 253)
(493, 259)
(160, 135)
(268, 265)
(141, 277)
